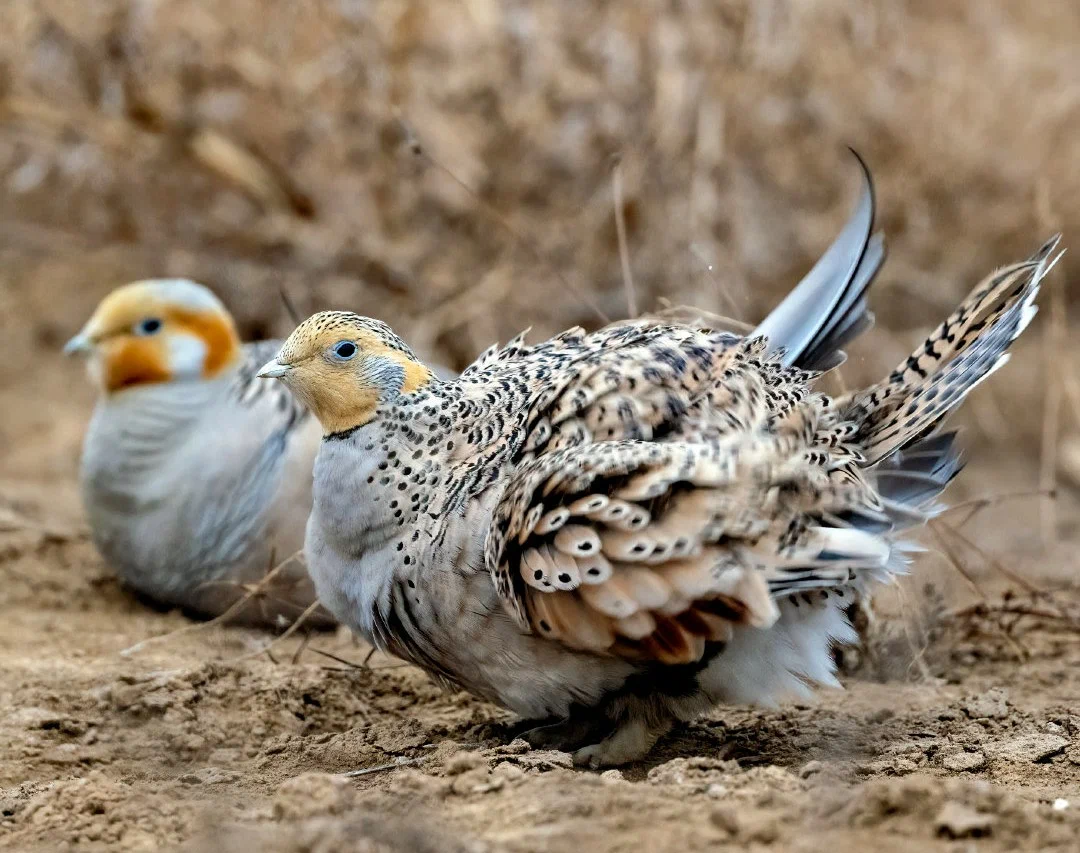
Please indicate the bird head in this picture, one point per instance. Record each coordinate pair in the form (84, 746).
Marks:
(342, 365)
(155, 331)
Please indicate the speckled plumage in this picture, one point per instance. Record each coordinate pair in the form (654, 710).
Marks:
(616, 530)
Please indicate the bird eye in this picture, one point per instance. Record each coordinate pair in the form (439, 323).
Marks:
(344, 350)
(149, 326)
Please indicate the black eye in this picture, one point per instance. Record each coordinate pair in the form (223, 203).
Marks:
(345, 349)
(149, 326)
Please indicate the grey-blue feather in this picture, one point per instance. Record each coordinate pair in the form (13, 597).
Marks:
(828, 308)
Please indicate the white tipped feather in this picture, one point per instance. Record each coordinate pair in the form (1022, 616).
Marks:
(612, 598)
(636, 627)
(589, 505)
(577, 540)
(564, 570)
(528, 524)
(637, 518)
(535, 570)
(613, 510)
(644, 486)
(594, 569)
(849, 542)
(552, 521)
(619, 545)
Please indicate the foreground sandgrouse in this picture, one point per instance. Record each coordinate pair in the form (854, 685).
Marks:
(609, 532)
(195, 477)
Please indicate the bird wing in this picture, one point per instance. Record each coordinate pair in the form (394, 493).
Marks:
(667, 482)
(669, 491)
(252, 489)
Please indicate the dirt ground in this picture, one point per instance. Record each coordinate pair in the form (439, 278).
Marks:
(449, 167)
(954, 726)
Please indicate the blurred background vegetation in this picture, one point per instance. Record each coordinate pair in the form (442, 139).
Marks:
(449, 166)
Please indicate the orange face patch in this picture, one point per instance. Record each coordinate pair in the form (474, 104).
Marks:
(128, 361)
(215, 330)
(339, 397)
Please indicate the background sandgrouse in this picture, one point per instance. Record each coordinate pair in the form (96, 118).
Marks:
(196, 479)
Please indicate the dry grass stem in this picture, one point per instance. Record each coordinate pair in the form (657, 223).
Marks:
(995, 563)
(292, 629)
(382, 768)
(365, 664)
(300, 649)
(953, 557)
(222, 618)
(977, 505)
(1055, 352)
(1009, 608)
(236, 164)
(620, 230)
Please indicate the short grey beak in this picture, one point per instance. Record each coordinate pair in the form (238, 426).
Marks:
(273, 370)
(78, 344)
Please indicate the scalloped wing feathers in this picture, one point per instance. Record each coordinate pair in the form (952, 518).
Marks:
(670, 484)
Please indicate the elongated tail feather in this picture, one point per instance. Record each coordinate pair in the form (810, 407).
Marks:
(828, 308)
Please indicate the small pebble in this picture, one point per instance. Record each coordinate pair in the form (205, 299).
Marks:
(963, 761)
(809, 769)
(726, 818)
(955, 820)
(991, 705)
(1030, 748)
(463, 762)
(517, 746)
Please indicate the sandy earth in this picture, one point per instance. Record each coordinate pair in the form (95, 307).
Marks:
(953, 728)
(249, 145)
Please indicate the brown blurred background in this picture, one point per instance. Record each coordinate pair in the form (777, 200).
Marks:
(449, 167)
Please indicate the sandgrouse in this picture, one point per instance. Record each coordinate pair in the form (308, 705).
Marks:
(195, 477)
(610, 532)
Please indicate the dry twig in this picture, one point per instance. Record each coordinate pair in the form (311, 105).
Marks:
(994, 562)
(977, 505)
(364, 665)
(222, 618)
(400, 762)
(292, 629)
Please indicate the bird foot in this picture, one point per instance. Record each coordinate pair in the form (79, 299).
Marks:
(629, 742)
(565, 735)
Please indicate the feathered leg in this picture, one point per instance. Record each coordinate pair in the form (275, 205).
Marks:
(634, 736)
(567, 735)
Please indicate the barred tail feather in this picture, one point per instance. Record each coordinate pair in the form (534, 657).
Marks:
(962, 352)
